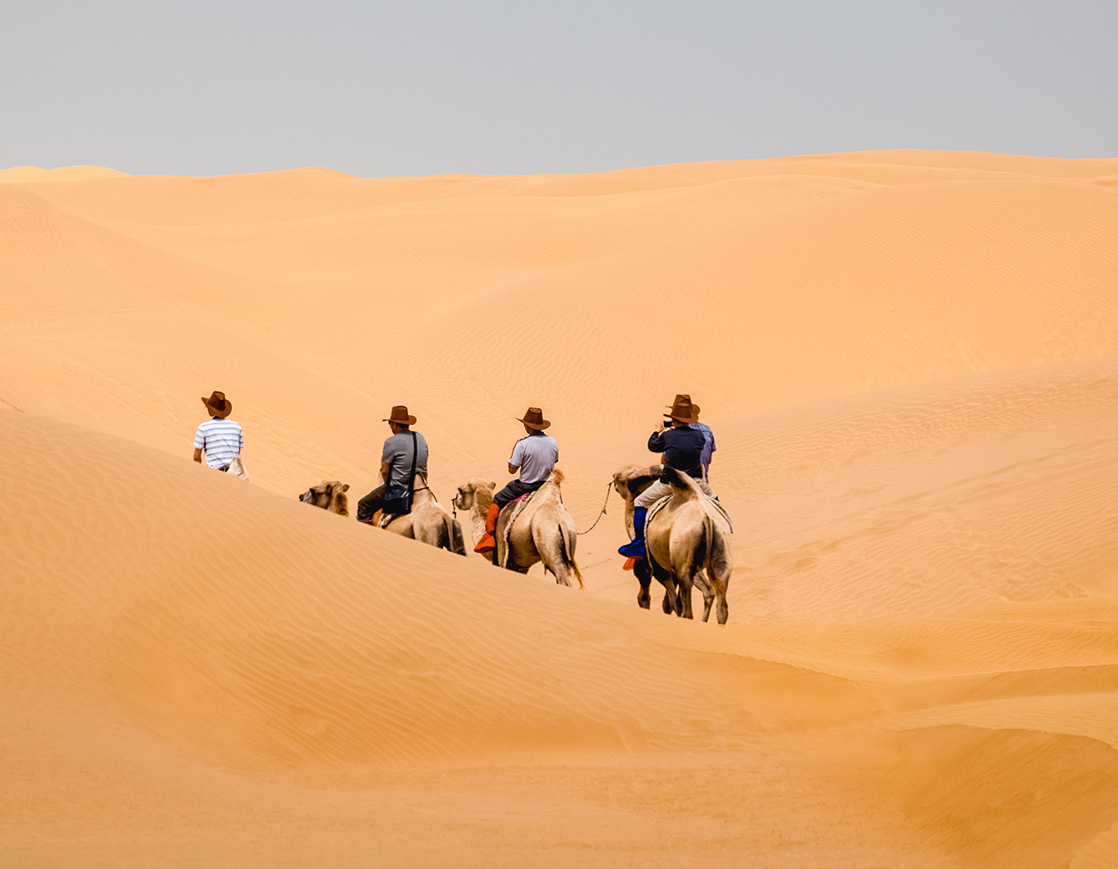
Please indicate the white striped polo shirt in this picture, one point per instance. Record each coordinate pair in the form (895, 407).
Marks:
(222, 439)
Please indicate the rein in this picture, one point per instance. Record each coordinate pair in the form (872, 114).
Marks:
(609, 486)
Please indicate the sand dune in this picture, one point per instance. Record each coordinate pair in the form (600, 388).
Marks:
(910, 360)
(24, 174)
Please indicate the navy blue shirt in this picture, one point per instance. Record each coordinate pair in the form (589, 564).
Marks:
(682, 448)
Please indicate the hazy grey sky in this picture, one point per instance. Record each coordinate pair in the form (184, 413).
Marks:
(505, 87)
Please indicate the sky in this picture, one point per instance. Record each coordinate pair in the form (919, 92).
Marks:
(511, 87)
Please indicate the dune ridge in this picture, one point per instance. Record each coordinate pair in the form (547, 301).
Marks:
(909, 359)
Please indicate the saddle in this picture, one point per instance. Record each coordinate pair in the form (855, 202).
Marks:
(387, 519)
(714, 502)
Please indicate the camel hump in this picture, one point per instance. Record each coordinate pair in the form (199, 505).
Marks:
(682, 482)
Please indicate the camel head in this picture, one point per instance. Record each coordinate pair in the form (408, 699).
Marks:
(330, 495)
(631, 481)
(475, 492)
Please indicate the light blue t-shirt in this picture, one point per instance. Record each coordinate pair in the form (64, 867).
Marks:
(536, 456)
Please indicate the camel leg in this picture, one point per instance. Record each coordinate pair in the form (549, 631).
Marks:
(643, 574)
(553, 556)
(707, 592)
(559, 571)
(714, 593)
(671, 601)
(685, 594)
(723, 607)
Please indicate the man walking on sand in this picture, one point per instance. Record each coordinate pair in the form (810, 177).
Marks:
(403, 457)
(535, 457)
(219, 437)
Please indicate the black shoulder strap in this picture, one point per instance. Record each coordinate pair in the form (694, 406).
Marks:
(414, 459)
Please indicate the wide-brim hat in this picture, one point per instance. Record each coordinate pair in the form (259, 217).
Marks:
(683, 396)
(218, 405)
(400, 415)
(533, 418)
(683, 411)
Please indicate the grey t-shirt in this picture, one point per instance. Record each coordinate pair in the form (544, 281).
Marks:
(397, 452)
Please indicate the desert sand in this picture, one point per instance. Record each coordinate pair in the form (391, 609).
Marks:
(910, 364)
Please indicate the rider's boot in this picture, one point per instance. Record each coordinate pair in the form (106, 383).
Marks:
(488, 542)
(635, 547)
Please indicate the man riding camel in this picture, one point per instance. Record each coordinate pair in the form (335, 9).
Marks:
(403, 457)
(682, 447)
(534, 457)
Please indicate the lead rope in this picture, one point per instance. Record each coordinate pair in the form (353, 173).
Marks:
(609, 486)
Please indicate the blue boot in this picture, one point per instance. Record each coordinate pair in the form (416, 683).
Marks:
(635, 547)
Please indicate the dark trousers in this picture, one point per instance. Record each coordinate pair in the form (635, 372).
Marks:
(513, 491)
(369, 505)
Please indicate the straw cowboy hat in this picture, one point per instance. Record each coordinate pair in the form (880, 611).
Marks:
(683, 410)
(218, 405)
(533, 418)
(400, 415)
(683, 396)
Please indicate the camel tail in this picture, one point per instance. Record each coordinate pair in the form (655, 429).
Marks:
(457, 539)
(565, 551)
(443, 541)
(717, 562)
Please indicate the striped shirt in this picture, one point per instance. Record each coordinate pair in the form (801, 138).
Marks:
(222, 439)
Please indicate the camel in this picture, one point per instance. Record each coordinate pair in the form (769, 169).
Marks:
(428, 522)
(629, 482)
(542, 531)
(330, 495)
(686, 537)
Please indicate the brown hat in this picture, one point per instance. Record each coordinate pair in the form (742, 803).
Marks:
(683, 396)
(533, 418)
(218, 405)
(400, 415)
(683, 411)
